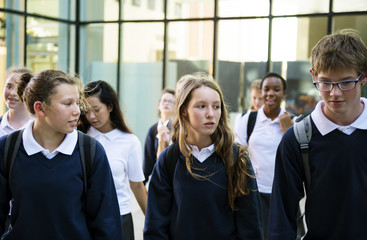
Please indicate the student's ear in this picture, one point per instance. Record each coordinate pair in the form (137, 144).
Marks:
(39, 108)
(364, 79)
(184, 113)
(110, 108)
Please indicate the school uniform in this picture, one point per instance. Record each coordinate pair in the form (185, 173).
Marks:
(151, 148)
(262, 147)
(124, 155)
(191, 208)
(47, 189)
(336, 198)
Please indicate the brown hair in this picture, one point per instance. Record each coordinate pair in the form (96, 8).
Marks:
(164, 91)
(343, 50)
(222, 137)
(41, 86)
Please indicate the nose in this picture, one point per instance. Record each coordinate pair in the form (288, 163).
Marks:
(209, 112)
(76, 110)
(335, 91)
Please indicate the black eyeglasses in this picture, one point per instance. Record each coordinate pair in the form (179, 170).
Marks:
(345, 85)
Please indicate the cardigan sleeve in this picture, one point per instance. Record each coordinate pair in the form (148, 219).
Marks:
(160, 198)
(248, 213)
(102, 209)
(150, 152)
(287, 189)
(4, 190)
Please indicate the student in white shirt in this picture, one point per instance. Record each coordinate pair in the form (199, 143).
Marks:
(104, 121)
(271, 123)
(17, 117)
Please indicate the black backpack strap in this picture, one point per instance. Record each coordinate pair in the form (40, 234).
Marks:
(251, 124)
(87, 151)
(12, 144)
(172, 154)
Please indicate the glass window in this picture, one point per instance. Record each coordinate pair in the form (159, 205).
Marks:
(151, 9)
(136, 2)
(292, 43)
(284, 7)
(98, 53)
(141, 74)
(51, 8)
(190, 48)
(47, 45)
(237, 8)
(239, 62)
(13, 4)
(190, 9)
(97, 10)
(350, 5)
(357, 22)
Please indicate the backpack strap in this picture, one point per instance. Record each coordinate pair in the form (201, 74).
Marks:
(303, 132)
(251, 124)
(172, 154)
(87, 151)
(12, 144)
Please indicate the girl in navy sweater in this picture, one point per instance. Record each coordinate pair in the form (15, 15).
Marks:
(47, 178)
(211, 195)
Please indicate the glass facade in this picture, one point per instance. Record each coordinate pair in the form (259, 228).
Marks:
(143, 46)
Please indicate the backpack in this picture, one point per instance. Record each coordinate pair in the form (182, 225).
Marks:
(87, 150)
(172, 154)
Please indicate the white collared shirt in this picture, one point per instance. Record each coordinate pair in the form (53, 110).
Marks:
(325, 126)
(124, 154)
(31, 146)
(262, 146)
(203, 154)
(6, 128)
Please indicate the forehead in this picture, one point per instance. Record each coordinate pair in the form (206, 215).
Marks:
(65, 90)
(272, 81)
(205, 93)
(12, 78)
(167, 96)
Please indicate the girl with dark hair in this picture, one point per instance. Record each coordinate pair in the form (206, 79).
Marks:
(211, 195)
(47, 184)
(104, 121)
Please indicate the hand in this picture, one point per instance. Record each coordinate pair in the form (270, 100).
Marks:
(163, 133)
(285, 121)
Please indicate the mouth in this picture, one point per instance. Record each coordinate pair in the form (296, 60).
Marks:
(209, 124)
(73, 122)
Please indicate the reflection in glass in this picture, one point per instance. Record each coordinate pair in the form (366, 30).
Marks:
(350, 5)
(142, 10)
(356, 22)
(141, 73)
(237, 8)
(190, 8)
(190, 48)
(98, 54)
(47, 45)
(292, 43)
(284, 7)
(51, 8)
(241, 58)
(12, 4)
(97, 10)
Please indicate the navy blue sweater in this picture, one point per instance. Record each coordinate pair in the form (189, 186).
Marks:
(150, 151)
(199, 209)
(336, 204)
(48, 202)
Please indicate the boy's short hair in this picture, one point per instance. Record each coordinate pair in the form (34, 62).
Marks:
(342, 50)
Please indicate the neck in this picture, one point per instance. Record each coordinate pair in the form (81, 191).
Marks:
(345, 118)
(46, 137)
(271, 113)
(18, 117)
(165, 117)
(200, 142)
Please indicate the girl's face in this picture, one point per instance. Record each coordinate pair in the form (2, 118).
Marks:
(63, 112)
(203, 113)
(10, 92)
(167, 103)
(272, 93)
(256, 99)
(99, 114)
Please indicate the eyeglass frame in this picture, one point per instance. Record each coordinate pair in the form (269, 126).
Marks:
(336, 83)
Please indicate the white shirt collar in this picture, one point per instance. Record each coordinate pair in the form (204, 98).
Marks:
(204, 153)
(325, 126)
(4, 121)
(111, 135)
(262, 117)
(31, 146)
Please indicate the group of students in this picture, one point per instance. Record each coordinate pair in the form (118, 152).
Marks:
(207, 182)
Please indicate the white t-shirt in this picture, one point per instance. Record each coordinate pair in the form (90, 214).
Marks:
(262, 147)
(124, 154)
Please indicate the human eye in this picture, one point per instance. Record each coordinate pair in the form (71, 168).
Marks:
(324, 85)
(348, 84)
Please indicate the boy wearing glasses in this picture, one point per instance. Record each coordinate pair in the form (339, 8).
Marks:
(336, 200)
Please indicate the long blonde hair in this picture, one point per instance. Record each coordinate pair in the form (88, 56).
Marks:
(222, 138)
